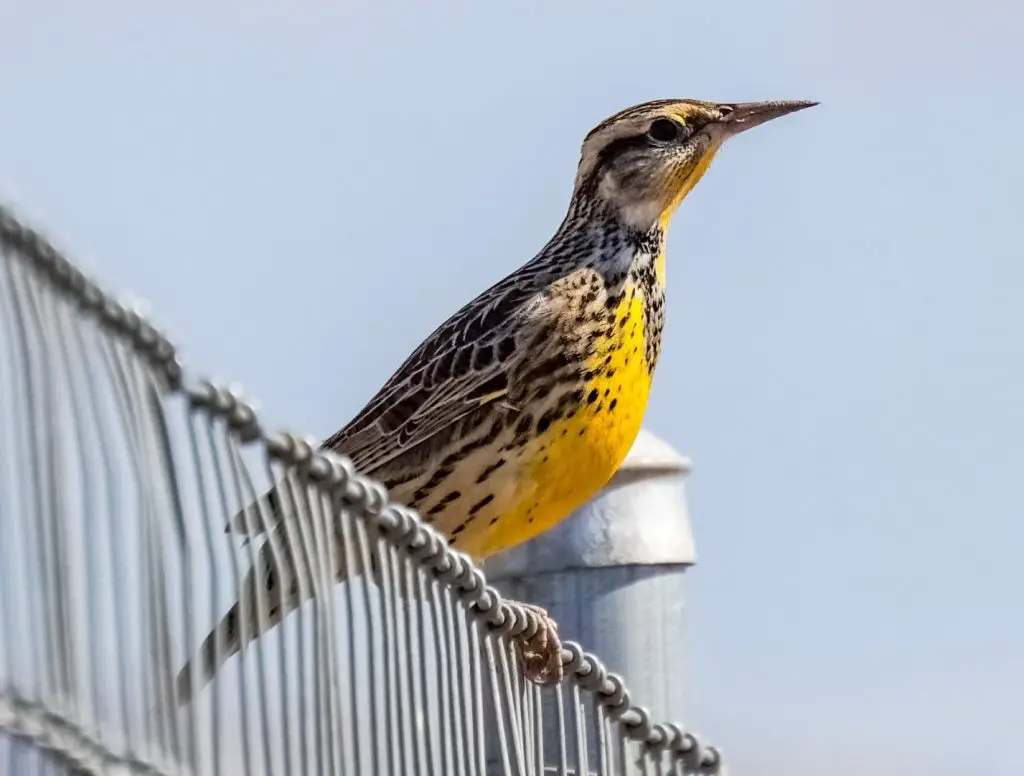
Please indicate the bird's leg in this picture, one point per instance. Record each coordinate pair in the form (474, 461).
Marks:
(542, 652)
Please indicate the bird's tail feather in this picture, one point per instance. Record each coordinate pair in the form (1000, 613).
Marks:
(278, 590)
(209, 658)
(258, 517)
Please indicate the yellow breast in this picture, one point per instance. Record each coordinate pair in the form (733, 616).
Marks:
(566, 464)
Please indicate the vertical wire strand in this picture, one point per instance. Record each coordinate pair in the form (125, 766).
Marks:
(88, 701)
(605, 761)
(464, 703)
(413, 665)
(512, 715)
(355, 759)
(243, 492)
(386, 585)
(8, 644)
(55, 484)
(196, 440)
(17, 659)
(441, 648)
(579, 720)
(326, 622)
(563, 739)
(527, 721)
(623, 748)
(538, 728)
(155, 741)
(318, 590)
(428, 681)
(289, 697)
(381, 752)
(456, 727)
(44, 425)
(114, 526)
(514, 688)
(332, 561)
(146, 396)
(183, 742)
(131, 621)
(98, 414)
(217, 436)
(406, 661)
(30, 486)
(659, 764)
(476, 682)
(492, 646)
(293, 557)
(646, 766)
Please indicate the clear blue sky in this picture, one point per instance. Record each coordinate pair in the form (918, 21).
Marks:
(303, 190)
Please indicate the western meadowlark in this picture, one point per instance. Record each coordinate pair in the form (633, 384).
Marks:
(521, 406)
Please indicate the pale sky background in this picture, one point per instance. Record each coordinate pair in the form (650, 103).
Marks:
(303, 191)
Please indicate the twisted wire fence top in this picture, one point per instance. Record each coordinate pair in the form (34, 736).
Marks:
(43, 284)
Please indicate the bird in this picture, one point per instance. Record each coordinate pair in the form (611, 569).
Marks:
(520, 407)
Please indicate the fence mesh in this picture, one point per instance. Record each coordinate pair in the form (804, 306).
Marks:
(118, 474)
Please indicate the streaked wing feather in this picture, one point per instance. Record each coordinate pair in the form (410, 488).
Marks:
(376, 445)
(440, 383)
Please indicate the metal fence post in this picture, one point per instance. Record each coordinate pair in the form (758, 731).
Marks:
(613, 575)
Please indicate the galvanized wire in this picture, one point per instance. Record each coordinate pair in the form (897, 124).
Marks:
(117, 478)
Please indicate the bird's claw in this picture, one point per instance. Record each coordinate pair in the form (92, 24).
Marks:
(542, 652)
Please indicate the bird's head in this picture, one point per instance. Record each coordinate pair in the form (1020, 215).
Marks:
(644, 160)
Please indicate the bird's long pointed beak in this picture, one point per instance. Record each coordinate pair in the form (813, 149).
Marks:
(742, 116)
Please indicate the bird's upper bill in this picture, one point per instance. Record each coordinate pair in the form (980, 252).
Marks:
(644, 160)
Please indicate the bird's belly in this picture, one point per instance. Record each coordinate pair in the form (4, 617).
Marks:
(561, 468)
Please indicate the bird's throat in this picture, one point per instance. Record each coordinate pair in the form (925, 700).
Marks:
(678, 189)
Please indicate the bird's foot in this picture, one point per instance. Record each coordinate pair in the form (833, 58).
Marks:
(542, 652)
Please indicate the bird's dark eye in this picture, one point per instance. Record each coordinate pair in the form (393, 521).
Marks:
(664, 130)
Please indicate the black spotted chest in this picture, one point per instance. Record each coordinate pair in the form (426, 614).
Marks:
(645, 278)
